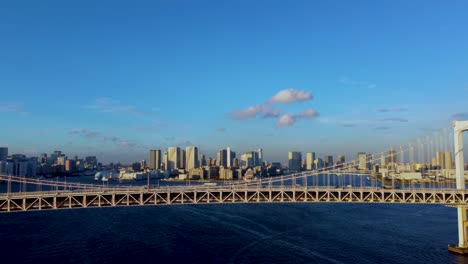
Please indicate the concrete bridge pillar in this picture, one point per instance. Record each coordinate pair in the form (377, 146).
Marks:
(459, 128)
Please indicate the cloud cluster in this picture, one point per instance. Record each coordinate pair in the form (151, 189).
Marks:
(394, 119)
(109, 105)
(84, 131)
(396, 109)
(288, 96)
(289, 120)
(266, 110)
(90, 134)
(13, 108)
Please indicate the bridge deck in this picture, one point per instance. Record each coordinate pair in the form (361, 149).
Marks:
(106, 197)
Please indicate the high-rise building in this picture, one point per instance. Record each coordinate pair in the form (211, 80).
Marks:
(340, 159)
(155, 159)
(3, 153)
(173, 158)
(61, 160)
(191, 155)
(166, 160)
(448, 160)
(362, 161)
(392, 156)
(202, 161)
(310, 157)
(383, 160)
(318, 163)
(260, 155)
(443, 160)
(235, 163)
(295, 159)
(228, 157)
(182, 159)
(328, 161)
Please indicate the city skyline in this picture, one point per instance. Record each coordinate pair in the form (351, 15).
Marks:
(184, 75)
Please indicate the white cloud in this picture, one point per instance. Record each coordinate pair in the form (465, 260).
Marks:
(396, 109)
(270, 112)
(84, 131)
(308, 113)
(291, 96)
(251, 111)
(15, 108)
(286, 120)
(265, 110)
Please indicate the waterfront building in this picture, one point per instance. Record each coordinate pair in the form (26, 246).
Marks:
(318, 163)
(166, 160)
(294, 159)
(191, 154)
(202, 160)
(61, 160)
(328, 161)
(91, 162)
(362, 161)
(70, 165)
(173, 158)
(155, 159)
(260, 157)
(182, 159)
(3, 153)
(310, 157)
(391, 156)
(340, 159)
(235, 163)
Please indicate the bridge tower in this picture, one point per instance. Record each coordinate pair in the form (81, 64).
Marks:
(459, 128)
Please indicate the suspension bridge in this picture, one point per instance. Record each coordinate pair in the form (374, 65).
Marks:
(419, 172)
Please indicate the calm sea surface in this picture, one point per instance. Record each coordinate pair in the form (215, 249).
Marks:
(233, 233)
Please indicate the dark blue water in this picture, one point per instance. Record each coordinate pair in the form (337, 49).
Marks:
(232, 233)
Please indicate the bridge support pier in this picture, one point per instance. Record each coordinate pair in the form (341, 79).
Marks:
(462, 247)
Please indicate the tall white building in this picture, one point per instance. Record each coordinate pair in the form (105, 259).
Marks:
(155, 159)
(362, 159)
(228, 158)
(260, 156)
(191, 156)
(310, 157)
(173, 157)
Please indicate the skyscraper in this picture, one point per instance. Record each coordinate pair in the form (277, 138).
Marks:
(362, 159)
(260, 155)
(295, 159)
(228, 157)
(340, 159)
(166, 160)
(191, 155)
(155, 159)
(173, 158)
(182, 159)
(310, 157)
(328, 161)
(3, 153)
(391, 156)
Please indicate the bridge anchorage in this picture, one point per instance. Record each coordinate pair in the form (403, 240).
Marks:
(421, 172)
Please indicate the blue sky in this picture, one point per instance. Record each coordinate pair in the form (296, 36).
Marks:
(116, 79)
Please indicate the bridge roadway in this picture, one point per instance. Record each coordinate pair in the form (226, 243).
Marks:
(109, 197)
